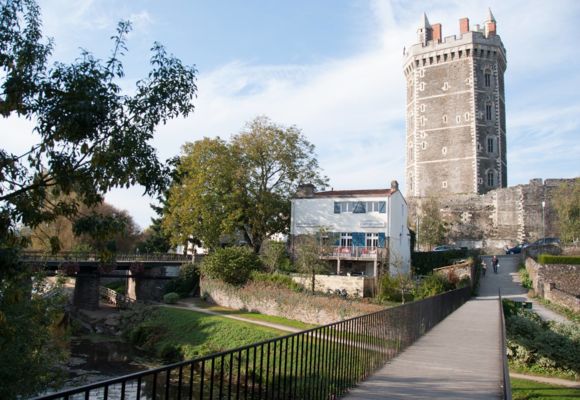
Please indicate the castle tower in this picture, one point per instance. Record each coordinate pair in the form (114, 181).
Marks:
(456, 128)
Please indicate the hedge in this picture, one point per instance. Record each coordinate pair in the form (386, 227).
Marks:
(425, 262)
(550, 259)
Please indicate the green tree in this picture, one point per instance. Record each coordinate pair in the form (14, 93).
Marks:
(432, 228)
(274, 256)
(243, 186)
(567, 205)
(91, 138)
(307, 251)
(233, 265)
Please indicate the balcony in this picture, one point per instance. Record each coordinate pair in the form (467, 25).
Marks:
(353, 253)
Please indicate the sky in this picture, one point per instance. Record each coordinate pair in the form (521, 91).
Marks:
(334, 70)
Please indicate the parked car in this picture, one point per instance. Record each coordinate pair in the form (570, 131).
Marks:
(546, 241)
(444, 247)
(516, 249)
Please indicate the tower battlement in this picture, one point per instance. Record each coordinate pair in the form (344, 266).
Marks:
(455, 110)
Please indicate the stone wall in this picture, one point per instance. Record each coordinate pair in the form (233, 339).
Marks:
(500, 217)
(266, 299)
(466, 269)
(355, 286)
(557, 283)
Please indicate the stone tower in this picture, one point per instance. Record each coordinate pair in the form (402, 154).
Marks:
(456, 128)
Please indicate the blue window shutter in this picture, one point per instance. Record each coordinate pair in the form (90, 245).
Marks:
(358, 239)
(383, 207)
(336, 207)
(381, 239)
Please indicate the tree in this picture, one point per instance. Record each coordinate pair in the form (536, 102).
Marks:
(431, 227)
(308, 249)
(243, 186)
(567, 205)
(274, 256)
(92, 138)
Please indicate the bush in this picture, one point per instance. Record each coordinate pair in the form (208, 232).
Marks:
(550, 259)
(232, 265)
(170, 298)
(187, 283)
(525, 278)
(277, 279)
(541, 347)
(389, 289)
(433, 285)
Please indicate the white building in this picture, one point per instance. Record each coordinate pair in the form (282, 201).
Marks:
(361, 230)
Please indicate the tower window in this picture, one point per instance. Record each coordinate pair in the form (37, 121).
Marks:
(490, 145)
(444, 150)
(490, 179)
(488, 112)
(445, 85)
(466, 116)
(444, 118)
(444, 184)
(424, 145)
(487, 78)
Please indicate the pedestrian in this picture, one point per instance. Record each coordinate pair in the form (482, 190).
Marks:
(483, 267)
(495, 263)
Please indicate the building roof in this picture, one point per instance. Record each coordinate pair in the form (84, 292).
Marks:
(349, 193)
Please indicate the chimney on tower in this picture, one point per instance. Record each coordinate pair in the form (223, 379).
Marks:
(464, 25)
(490, 26)
(437, 33)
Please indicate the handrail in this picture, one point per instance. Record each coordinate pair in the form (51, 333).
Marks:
(506, 386)
(319, 363)
(72, 256)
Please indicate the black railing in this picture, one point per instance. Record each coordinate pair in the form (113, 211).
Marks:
(319, 363)
(506, 383)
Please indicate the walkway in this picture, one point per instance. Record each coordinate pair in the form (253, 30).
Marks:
(460, 358)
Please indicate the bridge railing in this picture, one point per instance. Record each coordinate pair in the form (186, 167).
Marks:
(319, 363)
(506, 383)
(73, 256)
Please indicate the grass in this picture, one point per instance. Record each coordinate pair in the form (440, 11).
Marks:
(194, 334)
(253, 315)
(527, 390)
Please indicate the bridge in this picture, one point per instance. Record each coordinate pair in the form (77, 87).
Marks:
(447, 346)
(143, 272)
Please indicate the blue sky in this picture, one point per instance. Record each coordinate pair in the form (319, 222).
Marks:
(332, 68)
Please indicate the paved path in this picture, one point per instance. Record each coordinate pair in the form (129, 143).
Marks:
(190, 306)
(544, 379)
(508, 279)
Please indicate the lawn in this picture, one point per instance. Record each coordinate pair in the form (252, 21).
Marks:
(172, 331)
(528, 390)
(253, 315)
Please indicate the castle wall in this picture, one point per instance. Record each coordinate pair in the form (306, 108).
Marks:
(501, 217)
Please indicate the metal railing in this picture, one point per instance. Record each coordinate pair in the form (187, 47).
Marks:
(73, 256)
(354, 252)
(506, 384)
(319, 363)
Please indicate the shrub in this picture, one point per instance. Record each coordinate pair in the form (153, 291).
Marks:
(170, 298)
(432, 285)
(277, 279)
(274, 256)
(550, 259)
(525, 278)
(232, 265)
(389, 289)
(187, 283)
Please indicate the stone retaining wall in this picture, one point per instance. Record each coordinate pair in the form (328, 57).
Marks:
(273, 300)
(557, 283)
(466, 269)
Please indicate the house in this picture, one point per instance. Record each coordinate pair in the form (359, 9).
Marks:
(361, 232)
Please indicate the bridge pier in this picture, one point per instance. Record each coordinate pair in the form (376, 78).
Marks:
(86, 294)
(141, 287)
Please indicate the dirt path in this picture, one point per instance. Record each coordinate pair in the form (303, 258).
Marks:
(545, 379)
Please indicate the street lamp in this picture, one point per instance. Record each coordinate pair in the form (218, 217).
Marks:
(543, 220)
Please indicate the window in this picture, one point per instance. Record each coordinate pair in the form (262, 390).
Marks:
(445, 85)
(488, 112)
(444, 184)
(490, 179)
(444, 118)
(359, 208)
(490, 145)
(346, 239)
(444, 150)
(372, 240)
(376, 206)
(487, 78)
(466, 116)
(424, 145)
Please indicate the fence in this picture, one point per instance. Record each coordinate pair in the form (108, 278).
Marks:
(506, 384)
(72, 256)
(319, 363)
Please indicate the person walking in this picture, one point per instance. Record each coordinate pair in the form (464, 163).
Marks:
(483, 267)
(495, 263)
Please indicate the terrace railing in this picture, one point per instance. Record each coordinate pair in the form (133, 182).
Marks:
(319, 363)
(354, 252)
